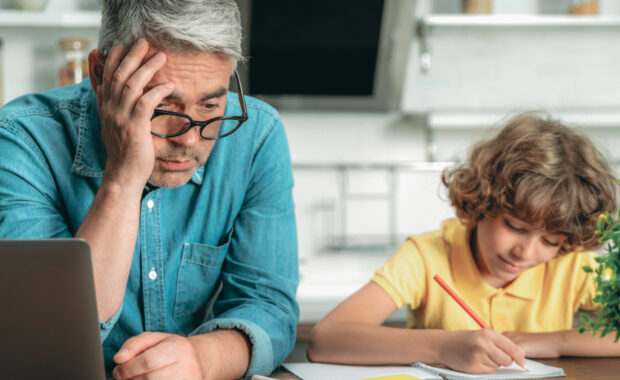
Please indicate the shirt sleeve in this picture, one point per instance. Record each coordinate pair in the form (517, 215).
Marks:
(587, 286)
(403, 276)
(29, 202)
(260, 272)
(30, 205)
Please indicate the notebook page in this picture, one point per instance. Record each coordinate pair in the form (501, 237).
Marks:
(316, 371)
(535, 370)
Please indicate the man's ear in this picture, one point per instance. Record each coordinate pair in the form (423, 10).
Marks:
(96, 60)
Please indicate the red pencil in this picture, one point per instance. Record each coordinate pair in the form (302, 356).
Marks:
(460, 302)
(468, 309)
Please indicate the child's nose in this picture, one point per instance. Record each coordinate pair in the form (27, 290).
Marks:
(526, 249)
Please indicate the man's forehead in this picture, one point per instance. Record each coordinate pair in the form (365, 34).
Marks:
(179, 96)
(205, 75)
(209, 59)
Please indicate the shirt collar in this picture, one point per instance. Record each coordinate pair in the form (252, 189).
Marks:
(90, 155)
(528, 284)
(467, 278)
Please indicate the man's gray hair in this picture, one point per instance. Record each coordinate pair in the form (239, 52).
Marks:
(182, 26)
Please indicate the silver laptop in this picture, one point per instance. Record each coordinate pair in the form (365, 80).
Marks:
(48, 314)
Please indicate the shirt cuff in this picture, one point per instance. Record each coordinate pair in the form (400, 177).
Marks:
(106, 327)
(261, 355)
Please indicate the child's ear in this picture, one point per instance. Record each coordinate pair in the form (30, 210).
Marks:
(96, 60)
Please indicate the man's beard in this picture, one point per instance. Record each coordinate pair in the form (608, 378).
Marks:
(182, 153)
(174, 178)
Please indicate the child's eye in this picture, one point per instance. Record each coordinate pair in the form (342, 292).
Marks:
(551, 242)
(511, 226)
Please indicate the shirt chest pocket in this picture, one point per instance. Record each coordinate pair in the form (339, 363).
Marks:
(199, 275)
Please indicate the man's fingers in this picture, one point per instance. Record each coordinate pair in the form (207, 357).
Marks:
(165, 373)
(128, 65)
(149, 361)
(147, 102)
(138, 344)
(134, 86)
(112, 61)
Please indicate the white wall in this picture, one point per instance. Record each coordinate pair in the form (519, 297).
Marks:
(475, 74)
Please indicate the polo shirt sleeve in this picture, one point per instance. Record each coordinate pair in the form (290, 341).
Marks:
(403, 276)
(260, 272)
(587, 286)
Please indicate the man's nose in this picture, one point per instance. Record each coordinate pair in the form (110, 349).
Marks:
(189, 138)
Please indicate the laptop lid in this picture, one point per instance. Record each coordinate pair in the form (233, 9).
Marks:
(48, 314)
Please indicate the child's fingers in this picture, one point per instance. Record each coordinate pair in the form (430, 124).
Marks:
(515, 352)
(500, 357)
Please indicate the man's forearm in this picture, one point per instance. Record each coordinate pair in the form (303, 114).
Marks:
(111, 228)
(223, 354)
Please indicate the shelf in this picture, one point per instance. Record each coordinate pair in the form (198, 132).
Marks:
(46, 19)
(471, 120)
(519, 20)
(388, 166)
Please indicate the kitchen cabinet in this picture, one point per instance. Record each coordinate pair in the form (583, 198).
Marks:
(503, 61)
(470, 71)
(29, 51)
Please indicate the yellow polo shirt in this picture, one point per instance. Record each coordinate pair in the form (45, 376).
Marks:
(543, 298)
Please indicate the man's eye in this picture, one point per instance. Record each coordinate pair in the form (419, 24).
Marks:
(210, 106)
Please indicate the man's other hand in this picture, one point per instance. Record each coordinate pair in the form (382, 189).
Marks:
(154, 355)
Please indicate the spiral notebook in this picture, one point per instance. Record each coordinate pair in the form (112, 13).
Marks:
(535, 370)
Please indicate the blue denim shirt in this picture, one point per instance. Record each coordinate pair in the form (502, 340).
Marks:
(219, 252)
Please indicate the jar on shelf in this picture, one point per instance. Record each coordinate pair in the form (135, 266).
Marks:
(73, 60)
(30, 5)
(477, 6)
(584, 7)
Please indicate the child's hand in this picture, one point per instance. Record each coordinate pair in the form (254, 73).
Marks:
(536, 345)
(479, 351)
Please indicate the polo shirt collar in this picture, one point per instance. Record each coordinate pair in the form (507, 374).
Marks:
(90, 154)
(467, 278)
(528, 284)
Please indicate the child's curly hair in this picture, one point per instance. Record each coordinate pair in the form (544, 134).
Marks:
(539, 171)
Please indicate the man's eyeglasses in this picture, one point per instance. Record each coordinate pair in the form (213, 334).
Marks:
(170, 124)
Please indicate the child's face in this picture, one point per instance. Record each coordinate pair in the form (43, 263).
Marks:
(505, 246)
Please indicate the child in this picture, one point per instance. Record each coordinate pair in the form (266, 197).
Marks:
(527, 203)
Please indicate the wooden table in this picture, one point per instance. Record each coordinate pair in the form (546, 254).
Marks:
(587, 368)
(575, 369)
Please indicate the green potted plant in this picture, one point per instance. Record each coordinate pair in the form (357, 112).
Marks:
(607, 280)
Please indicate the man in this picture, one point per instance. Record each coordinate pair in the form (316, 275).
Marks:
(182, 190)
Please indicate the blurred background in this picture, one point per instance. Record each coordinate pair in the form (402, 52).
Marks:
(377, 97)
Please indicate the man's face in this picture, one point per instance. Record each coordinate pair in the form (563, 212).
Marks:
(506, 246)
(200, 84)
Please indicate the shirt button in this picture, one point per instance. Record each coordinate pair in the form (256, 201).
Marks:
(150, 204)
(152, 274)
